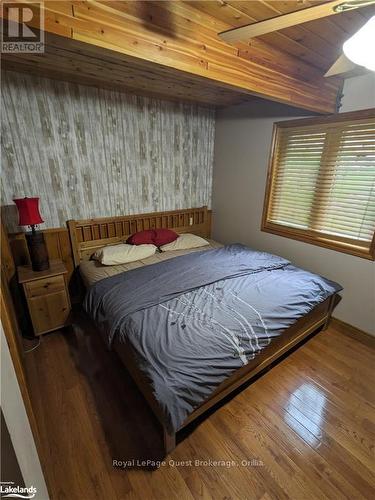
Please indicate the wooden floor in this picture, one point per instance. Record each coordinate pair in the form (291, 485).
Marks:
(303, 430)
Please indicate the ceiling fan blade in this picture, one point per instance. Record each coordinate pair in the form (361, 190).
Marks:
(342, 65)
(244, 33)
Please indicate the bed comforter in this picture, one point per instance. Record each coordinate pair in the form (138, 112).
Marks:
(193, 320)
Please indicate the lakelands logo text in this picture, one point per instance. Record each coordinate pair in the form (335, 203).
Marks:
(8, 490)
(22, 28)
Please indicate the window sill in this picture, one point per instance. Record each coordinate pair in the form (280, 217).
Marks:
(325, 241)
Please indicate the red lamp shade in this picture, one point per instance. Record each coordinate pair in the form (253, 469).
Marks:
(28, 210)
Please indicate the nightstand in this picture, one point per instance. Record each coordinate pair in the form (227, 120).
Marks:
(47, 296)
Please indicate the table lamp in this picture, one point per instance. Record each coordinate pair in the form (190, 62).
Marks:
(28, 210)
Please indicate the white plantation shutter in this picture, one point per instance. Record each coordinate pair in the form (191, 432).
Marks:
(322, 181)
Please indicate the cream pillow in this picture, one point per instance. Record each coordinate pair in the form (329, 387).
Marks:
(113, 255)
(184, 242)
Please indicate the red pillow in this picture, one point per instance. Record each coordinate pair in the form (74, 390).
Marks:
(156, 237)
(146, 237)
(164, 236)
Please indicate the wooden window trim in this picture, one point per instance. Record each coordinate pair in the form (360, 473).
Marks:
(340, 244)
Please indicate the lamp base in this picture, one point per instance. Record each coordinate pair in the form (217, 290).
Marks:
(38, 251)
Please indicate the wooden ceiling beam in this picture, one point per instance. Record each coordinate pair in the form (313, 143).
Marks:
(72, 61)
(173, 38)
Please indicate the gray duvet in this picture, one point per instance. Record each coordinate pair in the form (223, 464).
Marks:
(193, 320)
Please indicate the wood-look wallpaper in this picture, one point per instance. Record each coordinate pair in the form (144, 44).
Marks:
(90, 152)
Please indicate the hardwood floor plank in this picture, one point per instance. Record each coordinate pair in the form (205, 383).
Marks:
(343, 375)
(202, 484)
(341, 361)
(353, 409)
(281, 462)
(334, 389)
(329, 416)
(234, 482)
(323, 459)
(309, 421)
(353, 333)
(364, 348)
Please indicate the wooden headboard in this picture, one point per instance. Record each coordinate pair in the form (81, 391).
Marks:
(88, 235)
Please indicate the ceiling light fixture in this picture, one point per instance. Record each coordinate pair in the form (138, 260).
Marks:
(360, 47)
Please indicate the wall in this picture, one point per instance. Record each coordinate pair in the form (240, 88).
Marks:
(242, 147)
(10, 469)
(90, 152)
(18, 425)
(359, 93)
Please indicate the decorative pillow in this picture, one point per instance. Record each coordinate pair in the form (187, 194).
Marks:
(164, 236)
(156, 237)
(184, 242)
(122, 254)
(146, 237)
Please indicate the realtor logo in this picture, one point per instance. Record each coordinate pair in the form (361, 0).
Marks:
(22, 28)
(8, 490)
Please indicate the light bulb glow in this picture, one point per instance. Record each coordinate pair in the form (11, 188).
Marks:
(360, 48)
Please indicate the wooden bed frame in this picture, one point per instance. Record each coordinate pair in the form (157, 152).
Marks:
(88, 235)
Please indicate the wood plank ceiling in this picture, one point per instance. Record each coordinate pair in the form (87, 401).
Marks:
(171, 49)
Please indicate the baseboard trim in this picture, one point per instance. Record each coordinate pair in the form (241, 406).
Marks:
(347, 328)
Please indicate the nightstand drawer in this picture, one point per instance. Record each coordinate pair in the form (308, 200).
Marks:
(49, 312)
(44, 286)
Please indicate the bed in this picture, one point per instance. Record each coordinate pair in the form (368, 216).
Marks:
(193, 326)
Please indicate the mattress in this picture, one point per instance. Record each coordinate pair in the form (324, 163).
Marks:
(92, 271)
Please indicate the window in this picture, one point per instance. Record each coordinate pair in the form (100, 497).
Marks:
(321, 182)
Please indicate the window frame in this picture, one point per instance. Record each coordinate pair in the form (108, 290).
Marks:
(338, 243)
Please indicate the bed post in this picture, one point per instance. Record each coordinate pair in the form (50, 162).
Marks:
(73, 241)
(332, 303)
(169, 441)
(209, 224)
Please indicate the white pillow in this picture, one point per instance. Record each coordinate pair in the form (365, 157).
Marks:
(184, 242)
(113, 255)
